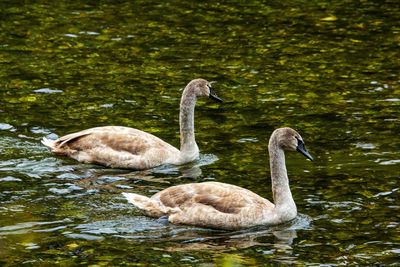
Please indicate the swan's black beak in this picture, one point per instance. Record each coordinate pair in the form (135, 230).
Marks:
(213, 95)
(302, 149)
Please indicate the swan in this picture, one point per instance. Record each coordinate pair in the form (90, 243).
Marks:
(129, 148)
(225, 206)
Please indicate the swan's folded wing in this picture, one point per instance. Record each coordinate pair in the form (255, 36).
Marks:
(175, 196)
(221, 199)
(115, 138)
(67, 138)
(97, 130)
(228, 203)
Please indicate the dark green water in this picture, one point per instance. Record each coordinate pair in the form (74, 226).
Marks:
(328, 69)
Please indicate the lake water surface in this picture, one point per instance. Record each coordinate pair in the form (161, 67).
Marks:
(329, 69)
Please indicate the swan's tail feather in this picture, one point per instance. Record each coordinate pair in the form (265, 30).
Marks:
(151, 207)
(48, 142)
(137, 200)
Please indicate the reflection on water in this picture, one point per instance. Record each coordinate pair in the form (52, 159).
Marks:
(189, 238)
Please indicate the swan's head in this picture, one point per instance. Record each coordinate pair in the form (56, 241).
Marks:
(289, 139)
(202, 87)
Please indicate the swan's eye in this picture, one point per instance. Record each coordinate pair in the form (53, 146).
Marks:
(209, 86)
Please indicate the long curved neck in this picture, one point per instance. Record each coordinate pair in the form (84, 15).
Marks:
(282, 195)
(186, 121)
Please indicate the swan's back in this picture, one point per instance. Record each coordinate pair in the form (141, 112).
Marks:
(115, 146)
(223, 197)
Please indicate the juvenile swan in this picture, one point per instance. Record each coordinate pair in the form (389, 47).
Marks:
(123, 147)
(225, 206)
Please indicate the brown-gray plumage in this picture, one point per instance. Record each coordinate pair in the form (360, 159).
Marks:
(124, 147)
(224, 206)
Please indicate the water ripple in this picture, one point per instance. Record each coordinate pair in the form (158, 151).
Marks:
(34, 168)
(27, 227)
(10, 179)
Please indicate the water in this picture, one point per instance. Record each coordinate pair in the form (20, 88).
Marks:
(329, 70)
